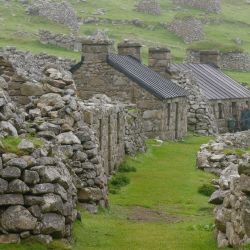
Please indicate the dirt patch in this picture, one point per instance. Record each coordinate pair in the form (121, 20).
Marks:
(148, 215)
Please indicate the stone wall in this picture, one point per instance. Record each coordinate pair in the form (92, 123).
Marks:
(239, 61)
(37, 194)
(96, 76)
(224, 110)
(207, 5)
(228, 158)
(59, 12)
(149, 7)
(134, 132)
(200, 117)
(69, 42)
(189, 29)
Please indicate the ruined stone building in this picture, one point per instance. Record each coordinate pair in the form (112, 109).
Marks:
(123, 77)
(226, 97)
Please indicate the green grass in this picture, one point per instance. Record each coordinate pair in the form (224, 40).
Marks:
(166, 180)
(10, 144)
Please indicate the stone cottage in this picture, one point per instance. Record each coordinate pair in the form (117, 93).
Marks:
(123, 77)
(226, 97)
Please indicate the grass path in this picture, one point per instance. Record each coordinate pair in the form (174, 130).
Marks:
(159, 210)
(166, 181)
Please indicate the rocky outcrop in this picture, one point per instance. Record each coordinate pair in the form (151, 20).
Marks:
(229, 158)
(149, 7)
(59, 12)
(207, 5)
(189, 29)
(69, 42)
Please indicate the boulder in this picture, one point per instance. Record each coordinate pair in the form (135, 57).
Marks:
(26, 145)
(3, 186)
(18, 186)
(9, 238)
(68, 139)
(53, 223)
(18, 219)
(11, 199)
(8, 128)
(32, 89)
(10, 173)
(218, 197)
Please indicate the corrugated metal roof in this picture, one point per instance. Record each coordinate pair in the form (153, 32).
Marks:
(214, 84)
(146, 77)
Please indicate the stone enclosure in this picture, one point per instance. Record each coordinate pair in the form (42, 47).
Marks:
(149, 7)
(207, 5)
(189, 29)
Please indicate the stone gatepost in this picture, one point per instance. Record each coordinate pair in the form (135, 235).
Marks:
(128, 48)
(159, 59)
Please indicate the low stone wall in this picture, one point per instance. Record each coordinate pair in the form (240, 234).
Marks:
(200, 117)
(69, 42)
(208, 5)
(59, 12)
(226, 157)
(37, 192)
(149, 7)
(189, 29)
(239, 61)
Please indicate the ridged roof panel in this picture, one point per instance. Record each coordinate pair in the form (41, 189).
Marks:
(214, 84)
(153, 82)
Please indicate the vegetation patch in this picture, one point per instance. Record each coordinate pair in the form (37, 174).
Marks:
(117, 182)
(125, 167)
(206, 189)
(10, 144)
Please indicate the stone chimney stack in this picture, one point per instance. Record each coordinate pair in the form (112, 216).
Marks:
(96, 51)
(128, 48)
(159, 59)
(210, 57)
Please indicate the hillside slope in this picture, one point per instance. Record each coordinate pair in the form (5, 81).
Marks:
(221, 30)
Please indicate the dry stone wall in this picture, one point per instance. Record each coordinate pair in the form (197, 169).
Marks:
(149, 7)
(57, 11)
(189, 29)
(200, 117)
(69, 42)
(239, 61)
(37, 194)
(227, 157)
(207, 5)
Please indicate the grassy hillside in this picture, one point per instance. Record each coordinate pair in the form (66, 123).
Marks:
(20, 30)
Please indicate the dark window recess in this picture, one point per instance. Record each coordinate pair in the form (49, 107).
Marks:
(169, 114)
(118, 128)
(220, 106)
(100, 134)
(234, 110)
(247, 104)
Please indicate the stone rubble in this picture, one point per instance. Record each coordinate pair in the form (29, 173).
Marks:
(228, 157)
(58, 11)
